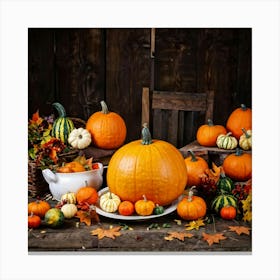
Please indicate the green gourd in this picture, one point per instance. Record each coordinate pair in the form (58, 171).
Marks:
(54, 218)
(223, 200)
(62, 125)
(225, 184)
(158, 210)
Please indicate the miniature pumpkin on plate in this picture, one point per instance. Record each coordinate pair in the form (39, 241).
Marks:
(79, 138)
(109, 202)
(207, 134)
(107, 129)
(144, 207)
(191, 207)
(126, 208)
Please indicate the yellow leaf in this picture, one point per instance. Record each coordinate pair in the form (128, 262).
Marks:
(195, 224)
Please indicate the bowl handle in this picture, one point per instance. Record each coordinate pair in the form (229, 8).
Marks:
(49, 175)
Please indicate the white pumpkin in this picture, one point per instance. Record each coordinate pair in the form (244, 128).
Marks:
(79, 138)
(69, 210)
(109, 202)
(245, 140)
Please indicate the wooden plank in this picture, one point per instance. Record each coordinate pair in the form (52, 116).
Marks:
(145, 106)
(179, 101)
(172, 132)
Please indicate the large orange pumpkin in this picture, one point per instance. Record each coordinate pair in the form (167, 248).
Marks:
(195, 167)
(153, 168)
(238, 166)
(238, 119)
(107, 129)
(207, 133)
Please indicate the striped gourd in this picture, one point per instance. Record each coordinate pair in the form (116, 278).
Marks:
(226, 142)
(225, 184)
(223, 200)
(62, 126)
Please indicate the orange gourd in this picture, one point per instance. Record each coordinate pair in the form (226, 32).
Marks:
(151, 167)
(144, 207)
(191, 207)
(207, 134)
(34, 221)
(86, 196)
(107, 129)
(238, 166)
(238, 119)
(228, 212)
(38, 208)
(195, 168)
(126, 208)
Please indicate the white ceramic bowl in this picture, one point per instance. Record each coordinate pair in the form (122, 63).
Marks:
(61, 183)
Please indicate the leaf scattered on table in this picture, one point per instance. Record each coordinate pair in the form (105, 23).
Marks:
(240, 229)
(88, 216)
(213, 238)
(112, 232)
(178, 235)
(154, 225)
(195, 224)
(125, 227)
(178, 222)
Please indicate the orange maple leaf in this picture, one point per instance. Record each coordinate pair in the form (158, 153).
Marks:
(88, 217)
(240, 229)
(178, 235)
(36, 118)
(112, 232)
(213, 238)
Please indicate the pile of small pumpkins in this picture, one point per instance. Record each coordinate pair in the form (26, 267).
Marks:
(149, 174)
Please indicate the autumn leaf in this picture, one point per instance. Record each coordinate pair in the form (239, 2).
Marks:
(240, 229)
(211, 175)
(178, 235)
(213, 238)
(195, 224)
(178, 222)
(36, 118)
(88, 216)
(112, 232)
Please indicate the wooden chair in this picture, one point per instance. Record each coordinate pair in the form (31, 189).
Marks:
(165, 113)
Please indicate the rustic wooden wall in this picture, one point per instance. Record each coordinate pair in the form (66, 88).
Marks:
(81, 67)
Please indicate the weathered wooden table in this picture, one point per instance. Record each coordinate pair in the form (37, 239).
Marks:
(76, 237)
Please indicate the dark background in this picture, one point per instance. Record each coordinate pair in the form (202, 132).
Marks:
(81, 67)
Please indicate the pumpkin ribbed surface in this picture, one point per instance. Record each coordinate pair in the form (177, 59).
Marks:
(156, 170)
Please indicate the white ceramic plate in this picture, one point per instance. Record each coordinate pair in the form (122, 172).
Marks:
(167, 210)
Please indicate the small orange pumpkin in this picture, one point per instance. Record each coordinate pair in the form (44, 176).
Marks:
(38, 208)
(107, 129)
(34, 221)
(126, 208)
(228, 212)
(191, 207)
(238, 119)
(86, 196)
(195, 168)
(207, 133)
(238, 166)
(144, 207)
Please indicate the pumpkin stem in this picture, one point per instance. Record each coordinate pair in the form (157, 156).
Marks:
(104, 107)
(146, 135)
(238, 152)
(60, 109)
(190, 195)
(243, 107)
(245, 132)
(192, 155)
(210, 122)
(144, 197)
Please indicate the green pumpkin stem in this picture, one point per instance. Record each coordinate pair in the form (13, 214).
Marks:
(104, 107)
(243, 107)
(210, 122)
(246, 133)
(238, 152)
(146, 135)
(60, 109)
(192, 155)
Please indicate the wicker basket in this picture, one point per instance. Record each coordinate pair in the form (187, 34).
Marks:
(37, 186)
